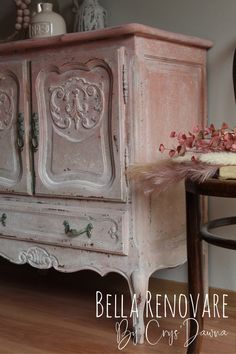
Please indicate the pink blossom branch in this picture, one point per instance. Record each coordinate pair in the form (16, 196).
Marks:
(205, 140)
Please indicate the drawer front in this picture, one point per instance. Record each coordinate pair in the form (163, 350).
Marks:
(92, 229)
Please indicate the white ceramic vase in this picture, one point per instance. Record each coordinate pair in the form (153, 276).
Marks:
(46, 23)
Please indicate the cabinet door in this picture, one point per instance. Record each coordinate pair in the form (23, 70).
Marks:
(14, 161)
(80, 108)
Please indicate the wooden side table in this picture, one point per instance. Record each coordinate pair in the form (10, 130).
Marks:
(196, 232)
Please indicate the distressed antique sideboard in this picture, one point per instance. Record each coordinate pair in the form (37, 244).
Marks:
(75, 111)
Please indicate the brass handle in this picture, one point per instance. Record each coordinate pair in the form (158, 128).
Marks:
(35, 131)
(74, 233)
(3, 219)
(20, 131)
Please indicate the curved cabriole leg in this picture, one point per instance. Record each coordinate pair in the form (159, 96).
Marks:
(139, 286)
(195, 279)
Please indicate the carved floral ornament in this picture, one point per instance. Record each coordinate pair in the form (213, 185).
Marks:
(35, 256)
(6, 109)
(77, 105)
(39, 258)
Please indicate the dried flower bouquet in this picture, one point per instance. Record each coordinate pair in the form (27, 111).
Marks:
(197, 155)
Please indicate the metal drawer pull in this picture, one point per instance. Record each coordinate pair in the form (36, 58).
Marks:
(73, 232)
(35, 131)
(20, 131)
(3, 219)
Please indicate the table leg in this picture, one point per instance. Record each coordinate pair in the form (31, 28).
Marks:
(195, 278)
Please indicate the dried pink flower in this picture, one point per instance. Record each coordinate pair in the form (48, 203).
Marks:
(205, 140)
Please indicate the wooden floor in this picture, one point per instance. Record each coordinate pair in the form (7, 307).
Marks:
(53, 313)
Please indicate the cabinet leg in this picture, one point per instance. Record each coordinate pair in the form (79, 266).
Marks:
(139, 286)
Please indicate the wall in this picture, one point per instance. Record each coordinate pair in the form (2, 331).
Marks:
(212, 19)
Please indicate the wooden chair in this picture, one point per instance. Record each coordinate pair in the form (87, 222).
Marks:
(196, 232)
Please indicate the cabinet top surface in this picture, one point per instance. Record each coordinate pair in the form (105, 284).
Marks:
(123, 31)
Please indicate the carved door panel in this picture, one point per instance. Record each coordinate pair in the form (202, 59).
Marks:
(14, 160)
(80, 109)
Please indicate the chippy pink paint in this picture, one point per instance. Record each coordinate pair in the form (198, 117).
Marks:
(104, 99)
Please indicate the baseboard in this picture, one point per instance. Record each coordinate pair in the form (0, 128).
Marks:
(170, 287)
(113, 282)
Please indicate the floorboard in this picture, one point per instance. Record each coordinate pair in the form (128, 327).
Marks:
(52, 313)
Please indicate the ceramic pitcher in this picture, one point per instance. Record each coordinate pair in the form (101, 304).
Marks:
(46, 23)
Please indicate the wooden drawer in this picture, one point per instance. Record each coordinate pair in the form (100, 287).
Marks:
(85, 227)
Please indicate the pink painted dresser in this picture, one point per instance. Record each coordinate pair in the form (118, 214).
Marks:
(75, 111)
